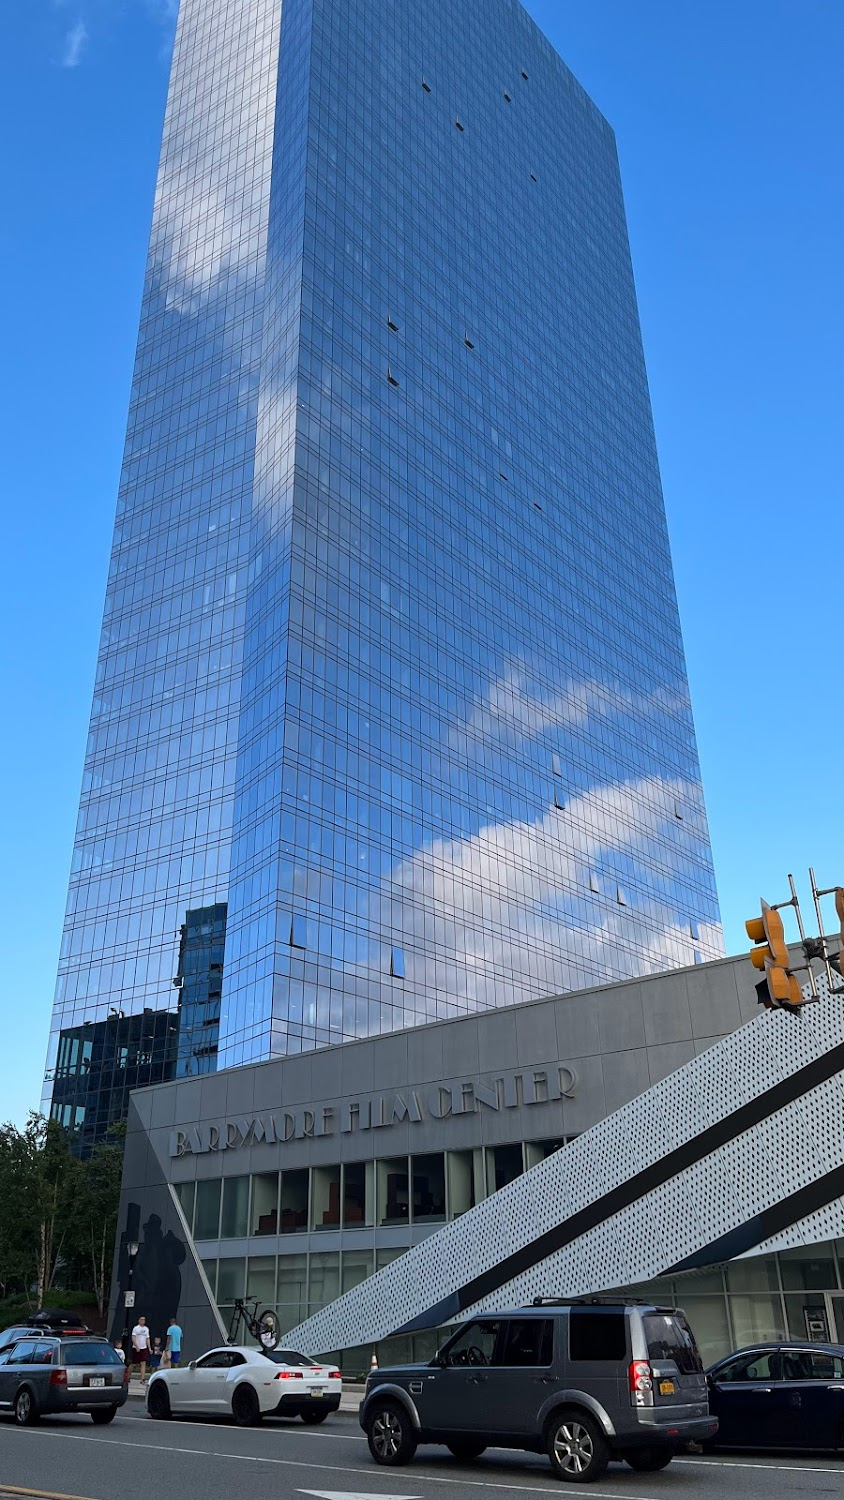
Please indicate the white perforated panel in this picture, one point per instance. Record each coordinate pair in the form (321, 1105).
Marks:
(760, 1168)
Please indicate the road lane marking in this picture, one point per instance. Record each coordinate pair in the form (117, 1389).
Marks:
(738, 1463)
(206, 1424)
(355, 1495)
(551, 1488)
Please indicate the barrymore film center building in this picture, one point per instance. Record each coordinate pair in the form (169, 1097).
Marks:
(391, 735)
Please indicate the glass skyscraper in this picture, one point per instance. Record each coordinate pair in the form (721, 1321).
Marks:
(391, 669)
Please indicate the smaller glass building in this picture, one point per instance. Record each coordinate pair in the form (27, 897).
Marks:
(292, 1181)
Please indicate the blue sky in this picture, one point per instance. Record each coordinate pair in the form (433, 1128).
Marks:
(729, 120)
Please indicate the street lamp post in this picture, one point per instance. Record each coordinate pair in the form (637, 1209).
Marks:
(132, 1248)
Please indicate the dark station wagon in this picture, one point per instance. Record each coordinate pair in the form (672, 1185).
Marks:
(44, 1374)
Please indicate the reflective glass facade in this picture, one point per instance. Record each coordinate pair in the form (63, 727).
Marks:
(391, 660)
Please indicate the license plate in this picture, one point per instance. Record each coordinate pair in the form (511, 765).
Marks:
(666, 1387)
(97, 1380)
(317, 1390)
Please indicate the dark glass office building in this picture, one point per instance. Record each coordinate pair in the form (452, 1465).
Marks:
(391, 664)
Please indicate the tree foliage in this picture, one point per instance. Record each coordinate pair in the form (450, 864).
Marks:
(58, 1213)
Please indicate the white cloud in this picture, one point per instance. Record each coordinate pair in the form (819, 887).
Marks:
(74, 44)
(496, 908)
(515, 708)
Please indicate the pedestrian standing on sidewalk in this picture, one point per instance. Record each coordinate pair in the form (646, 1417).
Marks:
(174, 1342)
(141, 1344)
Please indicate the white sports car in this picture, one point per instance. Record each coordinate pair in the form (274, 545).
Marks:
(248, 1384)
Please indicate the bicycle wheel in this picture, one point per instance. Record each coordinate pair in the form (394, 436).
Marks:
(266, 1326)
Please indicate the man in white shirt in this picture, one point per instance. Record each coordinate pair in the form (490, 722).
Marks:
(141, 1344)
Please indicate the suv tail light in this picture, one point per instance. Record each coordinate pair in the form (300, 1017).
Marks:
(58, 1377)
(640, 1376)
(335, 1375)
(290, 1375)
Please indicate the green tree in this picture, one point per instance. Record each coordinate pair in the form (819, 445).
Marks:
(58, 1213)
(93, 1225)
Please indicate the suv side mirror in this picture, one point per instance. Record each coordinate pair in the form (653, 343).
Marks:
(192, 1365)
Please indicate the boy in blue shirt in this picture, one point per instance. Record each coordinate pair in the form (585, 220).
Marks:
(174, 1342)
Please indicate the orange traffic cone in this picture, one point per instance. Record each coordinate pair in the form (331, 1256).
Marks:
(373, 1363)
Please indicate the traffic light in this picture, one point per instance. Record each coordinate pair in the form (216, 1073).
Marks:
(779, 989)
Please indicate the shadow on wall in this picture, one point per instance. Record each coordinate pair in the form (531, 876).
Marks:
(150, 1275)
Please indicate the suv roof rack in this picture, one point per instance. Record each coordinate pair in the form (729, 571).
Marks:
(592, 1302)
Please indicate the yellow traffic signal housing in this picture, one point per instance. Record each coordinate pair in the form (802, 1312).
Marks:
(771, 958)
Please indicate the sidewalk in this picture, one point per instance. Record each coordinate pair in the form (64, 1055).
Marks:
(349, 1401)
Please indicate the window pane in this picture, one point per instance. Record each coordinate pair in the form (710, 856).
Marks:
(428, 1189)
(291, 1303)
(756, 1318)
(231, 1275)
(325, 1197)
(357, 1265)
(393, 1191)
(186, 1192)
(669, 1337)
(358, 1193)
(759, 1274)
(597, 1335)
(504, 1164)
(465, 1180)
(386, 1257)
(260, 1279)
(526, 1341)
(808, 1270)
(752, 1367)
(206, 1224)
(474, 1345)
(264, 1215)
(324, 1283)
(235, 1220)
(294, 1201)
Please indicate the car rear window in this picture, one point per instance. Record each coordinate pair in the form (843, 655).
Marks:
(597, 1335)
(670, 1337)
(287, 1357)
(83, 1352)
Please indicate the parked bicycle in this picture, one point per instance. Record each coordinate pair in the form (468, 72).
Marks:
(262, 1326)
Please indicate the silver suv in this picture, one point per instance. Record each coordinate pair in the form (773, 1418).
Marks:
(44, 1373)
(584, 1381)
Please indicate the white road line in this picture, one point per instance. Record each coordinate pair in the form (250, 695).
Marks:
(371, 1473)
(298, 1432)
(739, 1463)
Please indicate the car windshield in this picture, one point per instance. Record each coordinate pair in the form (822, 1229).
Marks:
(287, 1357)
(670, 1337)
(84, 1352)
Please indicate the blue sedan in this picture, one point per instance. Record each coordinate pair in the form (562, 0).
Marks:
(779, 1395)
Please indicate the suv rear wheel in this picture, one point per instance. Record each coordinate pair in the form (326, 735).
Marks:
(25, 1409)
(466, 1448)
(390, 1434)
(577, 1448)
(103, 1414)
(648, 1460)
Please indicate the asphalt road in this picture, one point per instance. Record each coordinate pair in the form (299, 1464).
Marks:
(135, 1458)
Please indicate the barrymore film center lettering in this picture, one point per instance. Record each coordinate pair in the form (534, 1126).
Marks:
(439, 1101)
